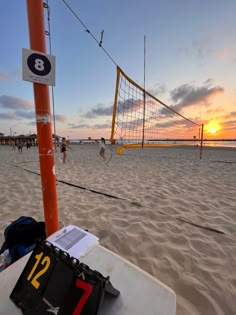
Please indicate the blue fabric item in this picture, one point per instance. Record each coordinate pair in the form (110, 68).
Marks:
(21, 236)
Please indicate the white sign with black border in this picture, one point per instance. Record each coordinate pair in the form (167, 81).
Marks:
(38, 67)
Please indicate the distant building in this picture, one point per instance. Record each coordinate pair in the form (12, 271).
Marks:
(23, 139)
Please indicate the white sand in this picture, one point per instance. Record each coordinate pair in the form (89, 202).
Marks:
(158, 188)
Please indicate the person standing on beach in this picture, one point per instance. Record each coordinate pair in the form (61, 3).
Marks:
(102, 148)
(19, 146)
(64, 145)
(13, 143)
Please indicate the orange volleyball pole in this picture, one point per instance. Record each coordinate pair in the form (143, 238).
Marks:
(202, 130)
(43, 119)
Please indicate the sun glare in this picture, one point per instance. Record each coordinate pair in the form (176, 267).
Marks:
(213, 126)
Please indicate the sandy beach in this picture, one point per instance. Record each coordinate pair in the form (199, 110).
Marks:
(163, 209)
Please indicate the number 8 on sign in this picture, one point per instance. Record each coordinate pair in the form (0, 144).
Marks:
(39, 64)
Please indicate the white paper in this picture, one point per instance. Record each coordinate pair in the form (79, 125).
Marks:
(73, 240)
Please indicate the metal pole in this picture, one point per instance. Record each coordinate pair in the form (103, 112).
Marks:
(144, 92)
(201, 141)
(52, 89)
(44, 127)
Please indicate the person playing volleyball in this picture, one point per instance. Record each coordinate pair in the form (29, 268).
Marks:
(64, 145)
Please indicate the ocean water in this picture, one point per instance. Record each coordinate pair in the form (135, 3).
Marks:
(211, 143)
(229, 144)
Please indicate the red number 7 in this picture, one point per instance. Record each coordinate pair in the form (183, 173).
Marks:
(88, 288)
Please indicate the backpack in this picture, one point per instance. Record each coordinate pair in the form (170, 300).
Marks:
(21, 236)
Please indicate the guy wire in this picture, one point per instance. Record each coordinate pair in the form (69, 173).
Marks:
(88, 31)
(46, 6)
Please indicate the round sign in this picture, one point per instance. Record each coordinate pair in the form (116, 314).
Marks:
(39, 64)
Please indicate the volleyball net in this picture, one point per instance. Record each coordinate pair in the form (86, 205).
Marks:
(141, 120)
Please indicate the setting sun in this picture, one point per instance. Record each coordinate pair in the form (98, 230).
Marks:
(212, 127)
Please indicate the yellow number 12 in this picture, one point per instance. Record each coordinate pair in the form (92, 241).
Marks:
(45, 262)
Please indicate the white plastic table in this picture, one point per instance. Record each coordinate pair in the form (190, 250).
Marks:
(140, 293)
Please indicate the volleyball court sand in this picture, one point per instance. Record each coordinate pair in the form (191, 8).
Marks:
(138, 204)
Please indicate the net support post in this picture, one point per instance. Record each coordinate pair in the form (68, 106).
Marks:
(115, 105)
(201, 145)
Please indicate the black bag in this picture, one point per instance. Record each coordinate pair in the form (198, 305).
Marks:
(21, 237)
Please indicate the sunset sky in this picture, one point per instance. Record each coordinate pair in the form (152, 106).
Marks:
(190, 62)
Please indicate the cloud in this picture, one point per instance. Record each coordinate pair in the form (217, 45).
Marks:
(228, 122)
(229, 125)
(102, 126)
(25, 114)
(232, 114)
(21, 109)
(126, 106)
(215, 111)
(175, 123)
(17, 103)
(160, 90)
(79, 126)
(130, 124)
(100, 110)
(187, 95)
(8, 116)
(90, 126)
(129, 105)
